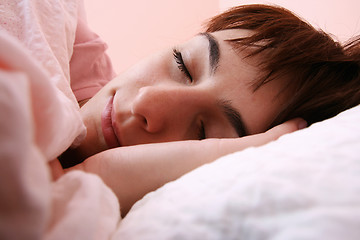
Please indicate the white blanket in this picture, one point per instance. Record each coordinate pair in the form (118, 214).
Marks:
(306, 185)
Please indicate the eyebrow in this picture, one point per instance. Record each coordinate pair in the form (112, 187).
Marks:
(214, 51)
(234, 117)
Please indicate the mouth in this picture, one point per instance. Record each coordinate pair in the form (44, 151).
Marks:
(107, 125)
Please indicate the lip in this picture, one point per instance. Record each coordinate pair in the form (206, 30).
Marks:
(107, 125)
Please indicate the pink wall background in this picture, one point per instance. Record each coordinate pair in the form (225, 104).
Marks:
(135, 29)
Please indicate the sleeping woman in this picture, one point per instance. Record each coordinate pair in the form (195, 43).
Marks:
(257, 72)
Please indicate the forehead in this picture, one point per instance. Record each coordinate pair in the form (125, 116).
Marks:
(232, 59)
(232, 34)
(236, 67)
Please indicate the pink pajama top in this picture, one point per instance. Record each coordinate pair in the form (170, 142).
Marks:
(90, 66)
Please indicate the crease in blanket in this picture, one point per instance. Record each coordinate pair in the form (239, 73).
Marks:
(40, 119)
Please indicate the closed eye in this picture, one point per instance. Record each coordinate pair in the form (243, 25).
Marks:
(181, 64)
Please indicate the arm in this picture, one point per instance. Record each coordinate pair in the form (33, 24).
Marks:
(133, 171)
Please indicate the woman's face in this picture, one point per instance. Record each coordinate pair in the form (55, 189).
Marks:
(199, 89)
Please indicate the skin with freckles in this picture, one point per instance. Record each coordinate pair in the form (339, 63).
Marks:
(144, 127)
(182, 94)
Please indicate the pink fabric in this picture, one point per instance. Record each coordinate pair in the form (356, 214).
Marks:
(40, 119)
(90, 67)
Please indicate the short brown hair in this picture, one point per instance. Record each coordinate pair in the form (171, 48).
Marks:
(324, 74)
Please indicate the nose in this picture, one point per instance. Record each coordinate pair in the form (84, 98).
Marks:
(163, 108)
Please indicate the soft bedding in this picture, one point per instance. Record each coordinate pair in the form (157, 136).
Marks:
(306, 185)
(39, 120)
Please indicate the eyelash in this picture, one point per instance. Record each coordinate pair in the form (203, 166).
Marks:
(181, 64)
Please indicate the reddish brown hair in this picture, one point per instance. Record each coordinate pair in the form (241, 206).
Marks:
(324, 75)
